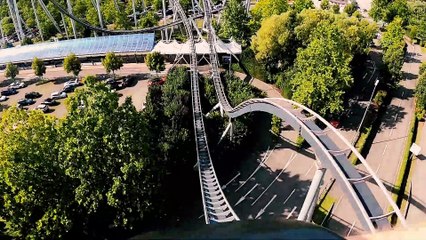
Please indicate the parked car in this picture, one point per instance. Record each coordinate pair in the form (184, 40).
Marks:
(33, 95)
(127, 82)
(43, 108)
(26, 101)
(72, 83)
(17, 84)
(113, 84)
(50, 102)
(3, 98)
(156, 81)
(68, 88)
(8, 92)
(58, 95)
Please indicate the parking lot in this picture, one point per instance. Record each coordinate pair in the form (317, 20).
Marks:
(137, 91)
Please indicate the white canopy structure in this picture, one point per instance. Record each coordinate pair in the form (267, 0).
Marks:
(202, 48)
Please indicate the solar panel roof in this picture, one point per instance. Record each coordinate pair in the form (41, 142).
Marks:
(132, 43)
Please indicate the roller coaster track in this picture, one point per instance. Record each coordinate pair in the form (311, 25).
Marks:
(215, 204)
(323, 141)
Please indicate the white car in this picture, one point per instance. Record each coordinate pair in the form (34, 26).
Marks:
(3, 98)
(17, 84)
(72, 83)
(42, 107)
(58, 95)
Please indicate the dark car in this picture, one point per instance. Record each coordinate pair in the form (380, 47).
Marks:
(68, 88)
(50, 102)
(33, 95)
(127, 82)
(113, 84)
(8, 92)
(26, 101)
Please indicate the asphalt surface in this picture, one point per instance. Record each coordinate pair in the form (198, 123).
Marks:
(138, 92)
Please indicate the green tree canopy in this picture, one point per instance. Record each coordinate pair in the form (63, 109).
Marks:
(11, 71)
(394, 48)
(273, 43)
(388, 10)
(38, 67)
(299, 5)
(72, 64)
(112, 62)
(234, 21)
(150, 19)
(36, 193)
(350, 8)
(421, 96)
(321, 73)
(325, 4)
(266, 8)
(335, 8)
(155, 62)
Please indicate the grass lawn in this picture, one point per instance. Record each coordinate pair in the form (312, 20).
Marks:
(322, 210)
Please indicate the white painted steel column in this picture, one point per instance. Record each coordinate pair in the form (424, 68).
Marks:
(72, 21)
(18, 20)
(134, 13)
(310, 200)
(37, 20)
(13, 16)
(98, 6)
(164, 18)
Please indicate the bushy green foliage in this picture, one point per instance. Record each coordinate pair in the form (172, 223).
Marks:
(388, 10)
(421, 96)
(276, 125)
(422, 68)
(72, 64)
(321, 72)
(300, 5)
(393, 46)
(234, 21)
(264, 9)
(11, 71)
(112, 62)
(38, 67)
(150, 19)
(325, 4)
(155, 62)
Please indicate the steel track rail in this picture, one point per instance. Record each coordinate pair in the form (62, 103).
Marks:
(215, 205)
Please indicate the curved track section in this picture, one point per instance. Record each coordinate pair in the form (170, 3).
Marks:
(352, 182)
(216, 207)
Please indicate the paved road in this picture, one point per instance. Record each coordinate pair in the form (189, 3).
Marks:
(386, 151)
(417, 207)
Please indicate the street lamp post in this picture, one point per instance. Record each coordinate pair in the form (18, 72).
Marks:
(365, 113)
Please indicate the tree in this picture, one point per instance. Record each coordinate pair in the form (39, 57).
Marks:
(111, 63)
(325, 4)
(350, 8)
(234, 21)
(11, 71)
(276, 125)
(299, 5)
(36, 198)
(274, 41)
(394, 48)
(155, 62)
(421, 96)
(90, 80)
(266, 8)
(388, 10)
(38, 67)
(422, 68)
(7, 26)
(150, 19)
(321, 73)
(335, 8)
(72, 64)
